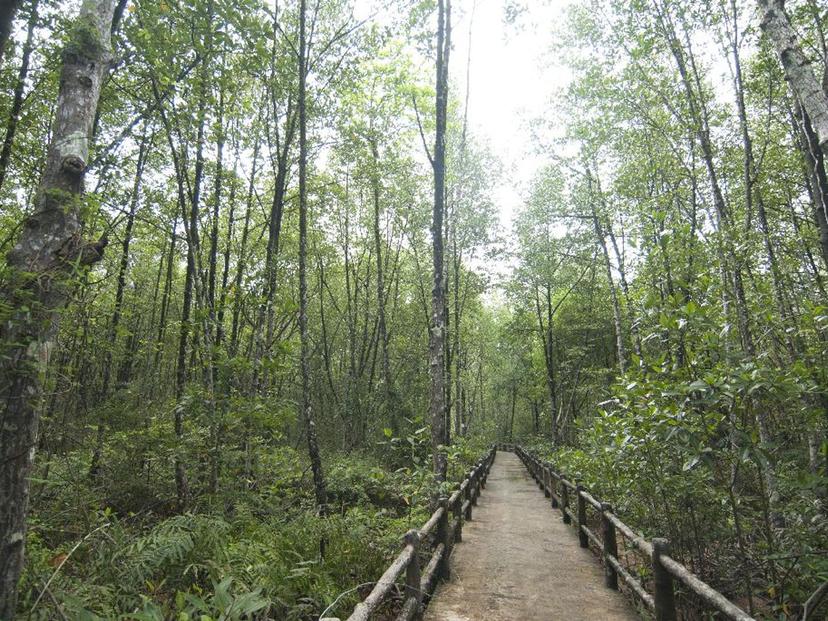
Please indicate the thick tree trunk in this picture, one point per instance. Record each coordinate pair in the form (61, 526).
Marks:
(43, 265)
(817, 180)
(17, 103)
(437, 333)
(304, 335)
(805, 85)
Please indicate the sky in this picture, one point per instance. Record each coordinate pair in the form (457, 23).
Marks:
(511, 83)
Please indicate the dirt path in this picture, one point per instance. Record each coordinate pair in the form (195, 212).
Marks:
(518, 561)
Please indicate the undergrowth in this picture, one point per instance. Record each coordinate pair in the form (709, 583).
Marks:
(257, 550)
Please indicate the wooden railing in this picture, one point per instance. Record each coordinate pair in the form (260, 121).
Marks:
(437, 538)
(565, 495)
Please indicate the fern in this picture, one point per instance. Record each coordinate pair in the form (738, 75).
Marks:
(181, 545)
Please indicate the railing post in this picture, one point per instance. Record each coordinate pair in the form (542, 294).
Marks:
(457, 511)
(565, 503)
(442, 536)
(583, 540)
(476, 484)
(554, 487)
(547, 480)
(469, 495)
(610, 546)
(665, 601)
(412, 572)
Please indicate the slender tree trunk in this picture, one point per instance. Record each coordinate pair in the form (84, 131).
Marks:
(459, 424)
(437, 334)
(513, 393)
(241, 264)
(42, 265)
(389, 407)
(546, 332)
(225, 270)
(753, 196)
(165, 301)
(7, 10)
(17, 102)
(304, 335)
(621, 349)
(115, 321)
(214, 231)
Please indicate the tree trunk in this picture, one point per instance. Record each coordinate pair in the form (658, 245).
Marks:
(7, 10)
(389, 407)
(805, 85)
(17, 103)
(241, 264)
(437, 334)
(43, 264)
(304, 335)
(546, 332)
(117, 310)
(621, 349)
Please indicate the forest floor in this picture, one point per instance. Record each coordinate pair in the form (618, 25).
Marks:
(518, 561)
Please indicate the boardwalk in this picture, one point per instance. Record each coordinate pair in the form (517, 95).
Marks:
(519, 562)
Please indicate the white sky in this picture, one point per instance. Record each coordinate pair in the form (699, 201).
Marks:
(512, 80)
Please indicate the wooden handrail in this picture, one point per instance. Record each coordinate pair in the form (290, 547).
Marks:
(665, 568)
(447, 525)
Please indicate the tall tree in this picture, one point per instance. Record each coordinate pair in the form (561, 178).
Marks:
(17, 103)
(805, 85)
(437, 334)
(306, 404)
(44, 264)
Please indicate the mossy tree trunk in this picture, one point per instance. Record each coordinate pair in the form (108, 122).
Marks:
(43, 265)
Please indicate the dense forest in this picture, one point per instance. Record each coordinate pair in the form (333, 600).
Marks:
(260, 306)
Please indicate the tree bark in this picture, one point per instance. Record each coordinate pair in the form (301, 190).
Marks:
(437, 333)
(304, 335)
(43, 265)
(805, 85)
(389, 407)
(241, 264)
(7, 11)
(17, 103)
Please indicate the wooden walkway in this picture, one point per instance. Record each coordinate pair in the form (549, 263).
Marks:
(518, 561)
